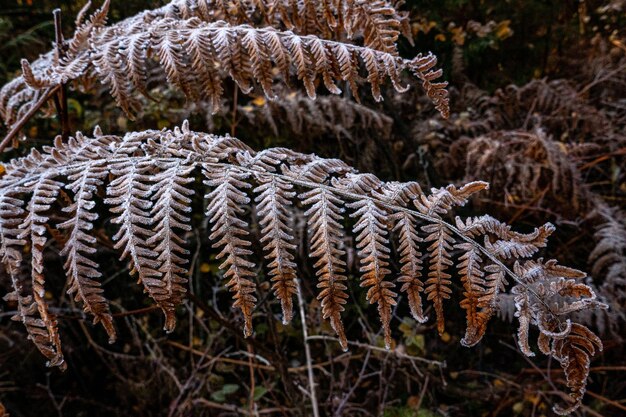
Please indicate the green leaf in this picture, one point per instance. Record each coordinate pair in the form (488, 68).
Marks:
(259, 392)
(220, 396)
(230, 388)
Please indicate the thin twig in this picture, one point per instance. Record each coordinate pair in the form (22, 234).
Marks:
(606, 400)
(20, 123)
(234, 408)
(269, 368)
(380, 349)
(62, 107)
(339, 411)
(251, 405)
(307, 351)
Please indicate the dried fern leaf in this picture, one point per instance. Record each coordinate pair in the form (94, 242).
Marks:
(472, 277)
(40, 326)
(169, 213)
(441, 200)
(297, 115)
(274, 197)
(193, 47)
(44, 193)
(373, 246)
(438, 282)
(81, 270)
(574, 352)
(250, 54)
(229, 231)
(149, 174)
(377, 21)
(324, 217)
(403, 194)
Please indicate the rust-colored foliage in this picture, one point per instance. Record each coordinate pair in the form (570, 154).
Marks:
(152, 171)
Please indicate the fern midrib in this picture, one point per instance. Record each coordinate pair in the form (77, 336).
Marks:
(166, 221)
(328, 250)
(277, 239)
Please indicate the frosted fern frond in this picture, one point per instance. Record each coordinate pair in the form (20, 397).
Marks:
(195, 46)
(326, 231)
(225, 207)
(81, 270)
(147, 181)
(171, 197)
(273, 199)
(188, 49)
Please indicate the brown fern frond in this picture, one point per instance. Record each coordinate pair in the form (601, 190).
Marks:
(297, 115)
(473, 279)
(372, 243)
(530, 166)
(545, 301)
(574, 352)
(129, 198)
(438, 282)
(40, 326)
(250, 54)
(274, 197)
(191, 44)
(81, 270)
(44, 193)
(409, 249)
(171, 198)
(228, 230)
(441, 200)
(148, 174)
(324, 218)
(377, 21)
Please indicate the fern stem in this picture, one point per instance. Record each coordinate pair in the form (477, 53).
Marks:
(20, 123)
(307, 351)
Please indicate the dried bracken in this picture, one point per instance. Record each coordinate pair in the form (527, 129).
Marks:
(151, 173)
(523, 167)
(297, 115)
(197, 45)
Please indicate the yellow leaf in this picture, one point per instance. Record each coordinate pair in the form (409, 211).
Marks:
(2, 169)
(532, 398)
(445, 337)
(259, 101)
(458, 35)
(205, 268)
(503, 30)
(518, 407)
